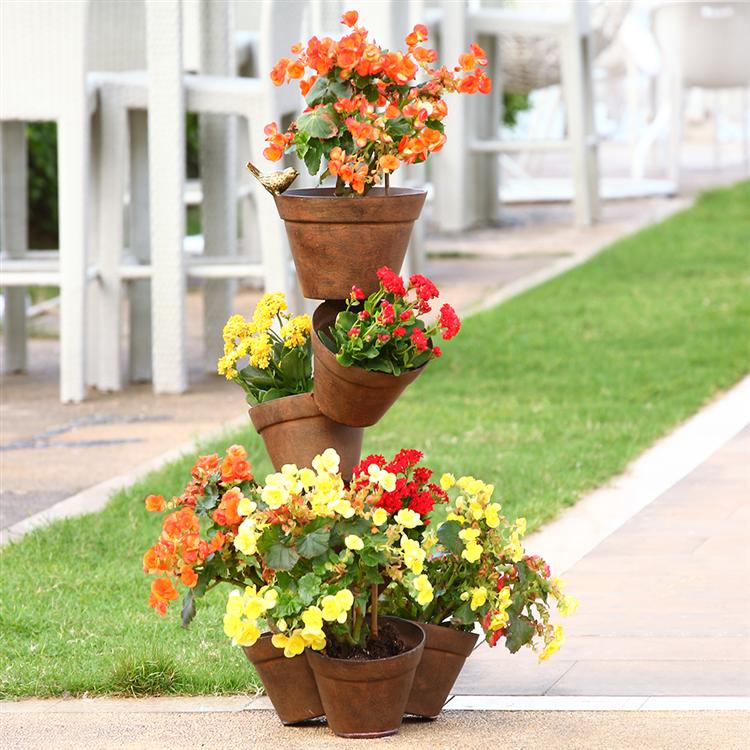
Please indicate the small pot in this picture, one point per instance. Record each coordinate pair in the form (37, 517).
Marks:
(351, 395)
(294, 431)
(367, 698)
(289, 683)
(340, 241)
(445, 651)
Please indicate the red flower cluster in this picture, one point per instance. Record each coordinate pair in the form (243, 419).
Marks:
(391, 281)
(413, 488)
(449, 322)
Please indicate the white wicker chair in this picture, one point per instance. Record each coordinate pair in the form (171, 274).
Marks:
(43, 66)
(168, 93)
(468, 175)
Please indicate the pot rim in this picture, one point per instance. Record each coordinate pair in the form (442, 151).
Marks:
(271, 412)
(383, 660)
(327, 193)
(357, 374)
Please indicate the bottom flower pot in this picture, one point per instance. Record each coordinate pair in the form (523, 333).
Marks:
(289, 683)
(365, 698)
(294, 431)
(445, 651)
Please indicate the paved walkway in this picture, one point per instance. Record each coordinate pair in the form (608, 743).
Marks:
(665, 601)
(456, 730)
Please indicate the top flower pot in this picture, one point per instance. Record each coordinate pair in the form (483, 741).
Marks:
(339, 242)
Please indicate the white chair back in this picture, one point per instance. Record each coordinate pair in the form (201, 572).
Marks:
(117, 35)
(706, 44)
(42, 58)
(282, 25)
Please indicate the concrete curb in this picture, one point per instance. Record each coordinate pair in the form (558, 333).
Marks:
(238, 703)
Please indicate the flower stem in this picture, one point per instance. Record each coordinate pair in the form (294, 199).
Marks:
(374, 610)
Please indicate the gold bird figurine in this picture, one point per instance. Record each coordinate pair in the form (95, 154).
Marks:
(276, 182)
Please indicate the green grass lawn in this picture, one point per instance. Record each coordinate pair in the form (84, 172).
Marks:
(547, 396)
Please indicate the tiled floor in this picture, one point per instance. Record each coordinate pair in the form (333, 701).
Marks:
(665, 603)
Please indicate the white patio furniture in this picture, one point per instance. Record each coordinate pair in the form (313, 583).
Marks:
(704, 45)
(467, 178)
(43, 68)
(169, 93)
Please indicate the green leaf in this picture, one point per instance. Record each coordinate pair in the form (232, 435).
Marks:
(320, 123)
(281, 557)
(209, 501)
(518, 632)
(399, 126)
(308, 588)
(435, 125)
(464, 614)
(345, 320)
(371, 557)
(325, 90)
(448, 536)
(270, 395)
(204, 578)
(188, 608)
(313, 544)
(312, 158)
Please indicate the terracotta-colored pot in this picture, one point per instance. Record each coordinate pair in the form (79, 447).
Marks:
(294, 431)
(340, 241)
(351, 395)
(289, 683)
(367, 698)
(445, 651)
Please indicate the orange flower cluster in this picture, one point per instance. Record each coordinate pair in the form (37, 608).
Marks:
(368, 112)
(181, 553)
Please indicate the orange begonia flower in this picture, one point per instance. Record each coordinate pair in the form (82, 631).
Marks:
(278, 72)
(296, 69)
(389, 163)
(189, 577)
(226, 513)
(162, 592)
(350, 18)
(155, 503)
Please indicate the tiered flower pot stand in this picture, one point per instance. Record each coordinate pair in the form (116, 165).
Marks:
(338, 243)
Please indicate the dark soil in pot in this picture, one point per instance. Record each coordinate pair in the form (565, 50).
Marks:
(366, 697)
(351, 395)
(388, 643)
(294, 431)
(445, 652)
(340, 241)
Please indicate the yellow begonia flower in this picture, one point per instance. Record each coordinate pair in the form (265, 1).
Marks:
(476, 509)
(414, 555)
(499, 620)
(247, 634)
(447, 481)
(289, 471)
(336, 607)
(521, 526)
(554, 645)
(234, 603)
(292, 644)
(407, 518)
(455, 517)
(492, 515)
(379, 516)
(313, 630)
(307, 478)
(472, 552)
(567, 605)
(246, 540)
(514, 549)
(423, 587)
(246, 506)
(327, 462)
(469, 535)
(342, 507)
(381, 477)
(274, 497)
(354, 542)
(478, 597)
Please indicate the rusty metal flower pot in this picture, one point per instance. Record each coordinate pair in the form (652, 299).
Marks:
(339, 241)
(289, 683)
(351, 395)
(367, 698)
(294, 431)
(445, 651)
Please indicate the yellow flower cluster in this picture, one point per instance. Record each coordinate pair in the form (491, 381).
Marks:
(243, 611)
(254, 338)
(553, 646)
(296, 331)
